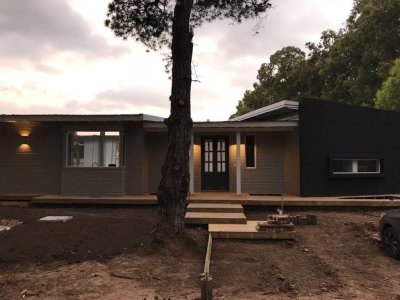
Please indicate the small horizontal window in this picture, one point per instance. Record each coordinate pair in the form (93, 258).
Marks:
(356, 166)
(94, 149)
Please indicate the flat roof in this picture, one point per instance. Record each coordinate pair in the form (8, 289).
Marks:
(230, 126)
(80, 118)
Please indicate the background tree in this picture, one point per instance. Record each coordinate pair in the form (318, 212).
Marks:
(281, 78)
(361, 56)
(158, 23)
(347, 66)
(388, 96)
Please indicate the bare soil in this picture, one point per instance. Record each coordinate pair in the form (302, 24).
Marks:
(109, 253)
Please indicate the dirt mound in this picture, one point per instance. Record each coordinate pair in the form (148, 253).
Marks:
(100, 235)
(366, 229)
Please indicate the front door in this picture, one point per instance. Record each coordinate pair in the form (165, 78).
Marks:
(215, 163)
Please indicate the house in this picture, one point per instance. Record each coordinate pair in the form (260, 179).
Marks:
(307, 148)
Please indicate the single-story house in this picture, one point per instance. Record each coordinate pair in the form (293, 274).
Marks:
(306, 148)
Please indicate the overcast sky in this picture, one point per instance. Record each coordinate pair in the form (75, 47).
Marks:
(56, 56)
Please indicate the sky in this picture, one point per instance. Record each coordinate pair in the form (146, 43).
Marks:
(57, 57)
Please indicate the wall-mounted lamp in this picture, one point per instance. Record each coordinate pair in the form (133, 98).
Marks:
(24, 144)
(24, 140)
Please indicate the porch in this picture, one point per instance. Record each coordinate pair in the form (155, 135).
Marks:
(228, 198)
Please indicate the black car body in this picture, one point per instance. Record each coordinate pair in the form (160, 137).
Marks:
(389, 229)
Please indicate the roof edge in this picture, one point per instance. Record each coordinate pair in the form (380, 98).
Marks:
(294, 105)
(78, 118)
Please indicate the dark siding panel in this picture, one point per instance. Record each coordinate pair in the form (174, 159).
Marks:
(157, 144)
(135, 160)
(36, 171)
(328, 128)
(92, 181)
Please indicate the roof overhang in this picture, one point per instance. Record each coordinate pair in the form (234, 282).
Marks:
(228, 126)
(279, 110)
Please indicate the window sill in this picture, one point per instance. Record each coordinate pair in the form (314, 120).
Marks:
(94, 168)
(357, 175)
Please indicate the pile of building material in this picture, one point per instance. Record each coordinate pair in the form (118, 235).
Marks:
(7, 224)
(56, 219)
(304, 220)
(276, 223)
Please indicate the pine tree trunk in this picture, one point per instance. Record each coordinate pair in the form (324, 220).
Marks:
(174, 185)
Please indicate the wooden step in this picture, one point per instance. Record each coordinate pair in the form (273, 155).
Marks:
(215, 218)
(247, 231)
(213, 200)
(214, 207)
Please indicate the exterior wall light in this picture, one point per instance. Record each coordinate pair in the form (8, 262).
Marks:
(25, 140)
(24, 144)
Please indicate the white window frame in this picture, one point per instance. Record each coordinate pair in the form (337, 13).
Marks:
(121, 142)
(354, 163)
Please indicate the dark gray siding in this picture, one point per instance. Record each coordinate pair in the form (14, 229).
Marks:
(267, 176)
(292, 163)
(92, 181)
(157, 144)
(32, 171)
(135, 160)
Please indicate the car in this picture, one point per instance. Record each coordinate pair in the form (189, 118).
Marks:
(389, 230)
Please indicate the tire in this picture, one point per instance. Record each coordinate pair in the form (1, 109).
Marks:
(391, 242)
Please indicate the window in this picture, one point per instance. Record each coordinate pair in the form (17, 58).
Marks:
(250, 150)
(356, 166)
(94, 149)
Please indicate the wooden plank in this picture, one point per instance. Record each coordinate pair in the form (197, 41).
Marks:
(247, 231)
(214, 207)
(122, 200)
(306, 202)
(205, 280)
(208, 256)
(216, 218)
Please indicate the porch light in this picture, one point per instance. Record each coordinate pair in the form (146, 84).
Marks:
(24, 144)
(25, 140)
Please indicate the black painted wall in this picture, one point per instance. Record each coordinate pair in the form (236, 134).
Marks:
(329, 129)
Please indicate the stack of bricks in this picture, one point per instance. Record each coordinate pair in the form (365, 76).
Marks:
(304, 220)
(276, 223)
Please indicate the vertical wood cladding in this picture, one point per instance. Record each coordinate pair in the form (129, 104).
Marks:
(35, 170)
(267, 176)
(330, 129)
(157, 143)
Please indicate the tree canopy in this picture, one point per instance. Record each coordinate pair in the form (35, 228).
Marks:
(347, 66)
(388, 96)
(150, 22)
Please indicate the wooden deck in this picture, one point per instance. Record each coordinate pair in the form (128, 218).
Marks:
(215, 198)
(85, 200)
(265, 200)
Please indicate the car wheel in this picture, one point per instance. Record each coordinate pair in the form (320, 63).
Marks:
(391, 242)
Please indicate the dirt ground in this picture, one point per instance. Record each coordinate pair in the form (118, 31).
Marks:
(109, 253)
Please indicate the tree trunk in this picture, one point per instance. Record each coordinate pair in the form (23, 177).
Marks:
(174, 185)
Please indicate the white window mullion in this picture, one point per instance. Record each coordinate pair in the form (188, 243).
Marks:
(355, 166)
